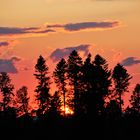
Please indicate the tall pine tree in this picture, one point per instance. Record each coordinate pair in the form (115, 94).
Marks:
(101, 82)
(43, 87)
(60, 79)
(74, 75)
(87, 79)
(121, 80)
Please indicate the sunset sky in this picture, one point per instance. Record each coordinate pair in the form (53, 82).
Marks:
(53, 28)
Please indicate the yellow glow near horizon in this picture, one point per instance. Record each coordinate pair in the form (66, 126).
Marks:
(67, 110)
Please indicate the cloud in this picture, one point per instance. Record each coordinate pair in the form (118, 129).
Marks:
(6, 65)
(63, 53)
(29, 31)
(86, 25)
(8, 43)
(4, 43)
(51, 28)
(130, 61)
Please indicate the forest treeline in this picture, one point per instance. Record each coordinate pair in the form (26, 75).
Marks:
(93, 92)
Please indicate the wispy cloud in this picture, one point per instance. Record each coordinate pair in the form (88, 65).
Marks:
(85, 25)
(51, 28)
(130, 61)
(29, 31)
(57, 54)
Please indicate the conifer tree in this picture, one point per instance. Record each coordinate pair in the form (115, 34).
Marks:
(74, 75)
(43, 87)
(87, 80)
(60, 79)
(101, 83)
(6, 90)
(121, 80)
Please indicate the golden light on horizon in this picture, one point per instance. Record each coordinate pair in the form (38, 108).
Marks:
(67, 110)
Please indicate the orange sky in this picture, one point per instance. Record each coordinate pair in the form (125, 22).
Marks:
(110, 27)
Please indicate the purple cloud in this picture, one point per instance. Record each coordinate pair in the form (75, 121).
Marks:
(63, 53)
(130, 61)
(6, 65)
(19, 31)
(86, 25)
(4, 43)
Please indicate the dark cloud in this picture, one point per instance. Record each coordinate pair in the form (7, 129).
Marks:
(4, 43)
(130, 61)
(19, 31)
(13, 30)
(32, 31)
(86, 25)
(10, 31)
(6, 65)
(63, 53)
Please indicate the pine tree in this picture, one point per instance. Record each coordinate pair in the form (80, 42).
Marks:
(87, 71)
(135, 99)
(60, 79)
(43, 87)
(101, 83)
(22, 100)
(88, 96)
(74, 75)
(6, 90)
(121, 80)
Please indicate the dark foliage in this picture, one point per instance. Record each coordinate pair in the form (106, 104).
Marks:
(121, 80)
(43, 87)
(96, 104)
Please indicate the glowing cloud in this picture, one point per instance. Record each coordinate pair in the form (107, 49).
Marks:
(63, 53)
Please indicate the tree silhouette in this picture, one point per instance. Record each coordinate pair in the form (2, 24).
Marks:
(22, 100)
(121, 81)
(87, 71)
(43, 87)
(101, 83)
(135, 99)
(6, 90)
(60, 79)
(74, 75)
(88, 96)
